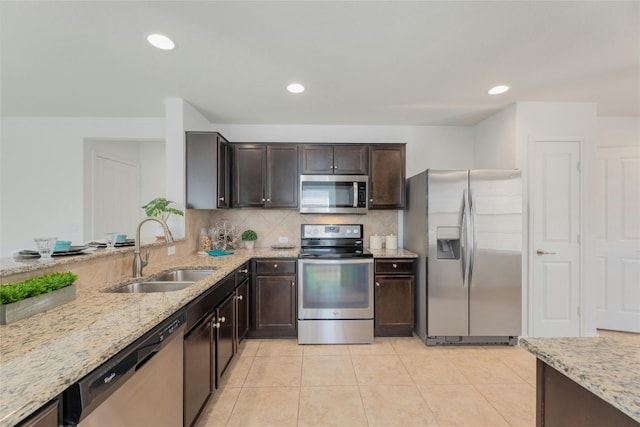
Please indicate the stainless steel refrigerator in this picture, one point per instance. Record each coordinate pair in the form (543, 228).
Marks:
(466, 226)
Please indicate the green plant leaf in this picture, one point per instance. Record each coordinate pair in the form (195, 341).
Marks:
(13, 292)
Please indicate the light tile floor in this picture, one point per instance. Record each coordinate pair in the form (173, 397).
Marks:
(393, 382)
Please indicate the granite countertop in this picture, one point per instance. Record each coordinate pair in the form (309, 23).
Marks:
(606, 366)
(393, 253)
(41, 356)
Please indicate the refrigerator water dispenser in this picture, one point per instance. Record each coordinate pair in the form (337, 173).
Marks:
(448, 239)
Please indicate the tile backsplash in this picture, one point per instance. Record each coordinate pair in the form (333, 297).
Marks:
(270, 224)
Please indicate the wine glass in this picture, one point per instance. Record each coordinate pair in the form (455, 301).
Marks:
(110, 239)
(45, 247)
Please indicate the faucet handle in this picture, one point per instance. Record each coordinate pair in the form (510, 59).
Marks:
(146, 258)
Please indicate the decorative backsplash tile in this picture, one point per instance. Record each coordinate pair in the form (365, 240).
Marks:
(270, 224)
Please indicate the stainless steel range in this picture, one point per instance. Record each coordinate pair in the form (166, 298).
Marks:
(335, 282)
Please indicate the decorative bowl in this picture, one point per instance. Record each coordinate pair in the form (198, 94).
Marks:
(62, 245)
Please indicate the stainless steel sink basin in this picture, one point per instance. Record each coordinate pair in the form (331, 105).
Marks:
(149, 287)
(169, 281)
(183, 275)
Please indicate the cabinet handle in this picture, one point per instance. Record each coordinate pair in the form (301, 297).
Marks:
(263, 199)
(378, 284)
(216, 325)
(222, 319)
(275, 265)
(268, 200)
(293, 283)
(246, 270)
(370, 200)
(240, 297)
(395, 265)
(221, 199)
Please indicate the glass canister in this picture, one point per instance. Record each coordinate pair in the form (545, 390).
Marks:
(204, 240)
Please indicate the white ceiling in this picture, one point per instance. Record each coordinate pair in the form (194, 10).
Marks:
(363, 62)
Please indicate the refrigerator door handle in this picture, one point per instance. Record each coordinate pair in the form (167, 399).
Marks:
(463, 238)
(472, 243)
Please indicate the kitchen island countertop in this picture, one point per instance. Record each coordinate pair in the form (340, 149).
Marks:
(606, 366)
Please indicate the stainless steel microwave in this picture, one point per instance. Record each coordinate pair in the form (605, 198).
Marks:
(344, 194)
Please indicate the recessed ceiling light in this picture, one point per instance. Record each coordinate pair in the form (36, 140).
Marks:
(160, 41)
(295, 88)
(497, 90)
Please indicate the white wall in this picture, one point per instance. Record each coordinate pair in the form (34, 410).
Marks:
(41, 173)
(495, 140)
(618, 131)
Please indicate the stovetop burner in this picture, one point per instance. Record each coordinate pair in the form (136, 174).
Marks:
(332, 241)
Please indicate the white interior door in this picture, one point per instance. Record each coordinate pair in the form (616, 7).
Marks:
(615, 272)
(555, 219)
(116, 204)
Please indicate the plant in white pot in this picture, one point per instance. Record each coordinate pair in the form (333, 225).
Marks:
(159, 208)
(249, 237)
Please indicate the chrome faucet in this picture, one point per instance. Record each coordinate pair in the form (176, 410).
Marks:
(138, 263)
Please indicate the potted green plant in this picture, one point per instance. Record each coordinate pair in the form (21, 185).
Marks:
(23, 299)
(159, 208)
(249, 237)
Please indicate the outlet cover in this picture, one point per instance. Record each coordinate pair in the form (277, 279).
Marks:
(282, 239)
(171, 250)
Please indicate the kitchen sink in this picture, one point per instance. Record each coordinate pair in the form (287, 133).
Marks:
(149, 287)
(183, 275)
(169, 281)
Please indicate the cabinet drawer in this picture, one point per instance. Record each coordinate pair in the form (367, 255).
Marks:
(275, 266)
(394, 266)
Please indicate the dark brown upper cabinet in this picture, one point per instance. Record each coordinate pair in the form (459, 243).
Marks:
(207, 171)
(387, 176)
(341, 159)
(265, 176)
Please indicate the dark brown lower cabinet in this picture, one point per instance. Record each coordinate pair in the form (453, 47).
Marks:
(225, 335)
(560, 401)
(274, 299)
(242, 311)
(394, 297)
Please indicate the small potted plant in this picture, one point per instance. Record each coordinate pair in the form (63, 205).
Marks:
(159, 208)
(249, 237)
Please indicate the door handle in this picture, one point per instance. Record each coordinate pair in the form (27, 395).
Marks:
(541, 252)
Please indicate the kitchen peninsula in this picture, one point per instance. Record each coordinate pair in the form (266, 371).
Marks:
(586, 381)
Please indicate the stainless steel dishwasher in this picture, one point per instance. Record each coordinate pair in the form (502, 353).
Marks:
(140, 386)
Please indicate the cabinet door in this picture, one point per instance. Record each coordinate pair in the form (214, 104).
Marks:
(203, 171)
(350, 159)
(393, 305)
(224, 173)
(316, 159)
(282, 176)
(242, 310)
(387, 176)
(249, 166)
(275, 306)
(225, 315)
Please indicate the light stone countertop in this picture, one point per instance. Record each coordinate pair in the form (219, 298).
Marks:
(41, 356)
(393, 253)
(606, 366)
(11, 266)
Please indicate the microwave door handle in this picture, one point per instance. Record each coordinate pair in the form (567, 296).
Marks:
(355, 194)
